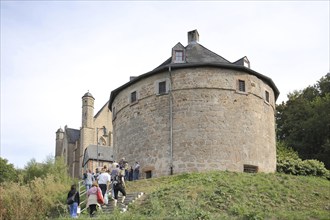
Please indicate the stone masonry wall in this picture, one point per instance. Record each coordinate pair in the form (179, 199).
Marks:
(104, 118)
(214, 125)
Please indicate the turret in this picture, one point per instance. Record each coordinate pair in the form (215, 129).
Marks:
(59, 142)
(87, 110)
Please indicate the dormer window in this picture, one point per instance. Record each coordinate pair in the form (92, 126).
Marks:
(246, 62)
(243, 62)
(179, 56)
(178, 53)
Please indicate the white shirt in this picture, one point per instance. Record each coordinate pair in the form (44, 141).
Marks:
(104, 178)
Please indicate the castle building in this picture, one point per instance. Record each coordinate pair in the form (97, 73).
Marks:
(90, 146)
(197, 111)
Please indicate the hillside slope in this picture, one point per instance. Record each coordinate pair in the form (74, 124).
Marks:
(230, 195)
(227, 195)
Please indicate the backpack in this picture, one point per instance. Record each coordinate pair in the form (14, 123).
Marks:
(117, 180)
(70, 200)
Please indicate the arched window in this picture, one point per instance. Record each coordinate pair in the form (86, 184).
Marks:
(102, 141)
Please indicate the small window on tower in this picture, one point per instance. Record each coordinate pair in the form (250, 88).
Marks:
(114, 112)
(179, 56)
(241, 85)
(267, 96)
(133, 97)
(162, 87)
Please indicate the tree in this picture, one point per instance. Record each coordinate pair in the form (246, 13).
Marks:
(50, 166)
(7, 171)
(303, 122)
(33, 169)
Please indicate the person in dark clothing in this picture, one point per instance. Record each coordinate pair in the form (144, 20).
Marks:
(130, 174)
(119, 186)
(76, 201)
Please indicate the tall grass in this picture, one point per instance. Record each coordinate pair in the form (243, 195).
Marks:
(39, 198)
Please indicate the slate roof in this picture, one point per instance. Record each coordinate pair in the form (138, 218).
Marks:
(72, 135)
(105, 153)
(196, 53)
(197, 56)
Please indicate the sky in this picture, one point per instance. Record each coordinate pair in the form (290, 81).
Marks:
(53, 52)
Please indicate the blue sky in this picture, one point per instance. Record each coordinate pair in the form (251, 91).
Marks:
(52, 52)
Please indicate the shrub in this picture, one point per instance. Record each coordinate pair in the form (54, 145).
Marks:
(42, 198)
(288, 162)
(39, 198)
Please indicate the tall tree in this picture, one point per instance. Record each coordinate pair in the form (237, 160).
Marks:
(303, 122)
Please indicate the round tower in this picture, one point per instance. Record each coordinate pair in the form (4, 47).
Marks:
(59, 142)
(87, 126)
(87, 110)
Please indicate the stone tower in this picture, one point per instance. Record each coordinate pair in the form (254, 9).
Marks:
(72, 144)
(87, 110)
(59, 142)
(87, 125)
(197, 111)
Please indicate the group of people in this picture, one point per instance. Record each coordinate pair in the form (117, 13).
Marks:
(107, 182)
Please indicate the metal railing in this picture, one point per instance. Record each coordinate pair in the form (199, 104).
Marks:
(82, 194)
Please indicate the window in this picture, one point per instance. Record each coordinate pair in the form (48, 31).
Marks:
(133, 97)
(113, 112)
(267, 96)
(250, 168)
(241, 85)
(178, 55)
(162, 87)
(148, 174)
(246, 62)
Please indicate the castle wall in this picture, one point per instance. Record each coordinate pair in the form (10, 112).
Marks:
(214, 125)
(104, 118)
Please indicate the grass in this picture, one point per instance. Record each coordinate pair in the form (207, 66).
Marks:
(229, 195)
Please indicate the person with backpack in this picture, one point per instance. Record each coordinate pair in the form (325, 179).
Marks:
(73, 200)
(114, 172)
(118, 184)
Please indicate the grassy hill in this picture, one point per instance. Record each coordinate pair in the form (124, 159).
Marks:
(230, 195)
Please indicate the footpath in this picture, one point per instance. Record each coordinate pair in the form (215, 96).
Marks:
(130, 198)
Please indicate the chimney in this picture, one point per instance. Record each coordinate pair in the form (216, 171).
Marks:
(132, 78)
(193, 37)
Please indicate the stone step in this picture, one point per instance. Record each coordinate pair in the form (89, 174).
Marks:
(130, 198)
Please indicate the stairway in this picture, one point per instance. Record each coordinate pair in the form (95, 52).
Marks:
(130, 198)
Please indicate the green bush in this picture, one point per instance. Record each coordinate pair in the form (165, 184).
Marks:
(288, 162)
(39, 198)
